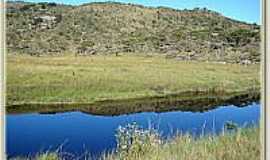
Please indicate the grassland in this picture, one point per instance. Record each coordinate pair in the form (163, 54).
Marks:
(95, 78)
(244, 144)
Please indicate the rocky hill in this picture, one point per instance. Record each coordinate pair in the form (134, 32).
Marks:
(116, 28)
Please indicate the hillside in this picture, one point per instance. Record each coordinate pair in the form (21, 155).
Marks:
(116, 28)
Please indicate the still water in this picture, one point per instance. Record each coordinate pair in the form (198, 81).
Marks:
(76, 132)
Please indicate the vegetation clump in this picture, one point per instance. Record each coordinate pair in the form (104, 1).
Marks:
(242, 144)
(132, 140)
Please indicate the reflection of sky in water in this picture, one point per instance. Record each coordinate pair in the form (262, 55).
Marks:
(78, 132)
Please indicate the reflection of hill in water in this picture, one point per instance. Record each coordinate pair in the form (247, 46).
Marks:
(188, 101)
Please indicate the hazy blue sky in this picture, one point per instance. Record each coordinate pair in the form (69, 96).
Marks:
(244, 10)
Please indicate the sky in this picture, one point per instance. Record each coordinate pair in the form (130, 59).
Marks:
(243, 10)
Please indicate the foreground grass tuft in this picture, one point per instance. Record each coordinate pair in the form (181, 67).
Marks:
(48, 156)
(242, 144)
(42, 156)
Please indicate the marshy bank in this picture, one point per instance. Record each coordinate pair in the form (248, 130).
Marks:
(68, 81)
(195, 101)
(241, 144)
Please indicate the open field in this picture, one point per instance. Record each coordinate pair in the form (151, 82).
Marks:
(94, 78)
(243, 144)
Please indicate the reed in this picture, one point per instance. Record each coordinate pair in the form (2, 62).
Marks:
(241, 144)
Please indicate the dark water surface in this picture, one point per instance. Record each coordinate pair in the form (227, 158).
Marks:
(78, 132)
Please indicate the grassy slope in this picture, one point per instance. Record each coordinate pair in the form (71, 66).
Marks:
(108, 28)
(88, 79)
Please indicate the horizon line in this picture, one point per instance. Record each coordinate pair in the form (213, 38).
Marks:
(138, 4)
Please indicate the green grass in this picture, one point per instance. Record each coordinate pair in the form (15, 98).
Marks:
(93, 78)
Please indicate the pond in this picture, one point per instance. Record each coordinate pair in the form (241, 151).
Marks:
(78, 132)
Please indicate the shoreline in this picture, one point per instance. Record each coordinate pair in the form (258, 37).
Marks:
(184, 101)
(125, 84)
(243, 142)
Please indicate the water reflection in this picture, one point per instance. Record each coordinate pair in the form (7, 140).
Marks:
(32, 133)
(189, 101)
